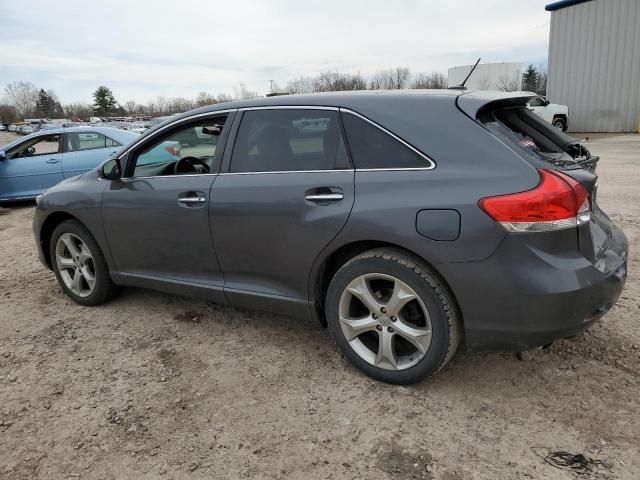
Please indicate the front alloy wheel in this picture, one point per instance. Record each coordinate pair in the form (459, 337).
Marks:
(79, 264)
(75, 264)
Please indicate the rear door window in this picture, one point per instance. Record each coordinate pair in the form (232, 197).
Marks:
(372, 147)
(78, 141)
(277, 140)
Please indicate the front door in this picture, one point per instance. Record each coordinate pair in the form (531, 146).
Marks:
(286, 193)
(156, 218)
(31, 167)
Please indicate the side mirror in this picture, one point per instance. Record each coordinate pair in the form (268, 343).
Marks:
(2, 155)
(110, 170)
(545, 101)
(30, 151)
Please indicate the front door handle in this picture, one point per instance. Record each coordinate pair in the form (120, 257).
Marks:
(53, 160)
(192, 199)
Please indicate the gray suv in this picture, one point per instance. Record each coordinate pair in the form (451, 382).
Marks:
(408, 222)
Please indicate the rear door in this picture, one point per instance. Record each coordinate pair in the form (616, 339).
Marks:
(84, 151)
(31, 167)
(286, 190)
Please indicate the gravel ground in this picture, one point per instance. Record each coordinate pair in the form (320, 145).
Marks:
(159, 386)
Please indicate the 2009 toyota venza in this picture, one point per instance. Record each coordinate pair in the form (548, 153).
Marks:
(408, 222)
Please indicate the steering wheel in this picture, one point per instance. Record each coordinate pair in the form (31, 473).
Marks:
(190, 165)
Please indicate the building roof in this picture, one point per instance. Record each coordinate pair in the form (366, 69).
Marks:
(563, 4)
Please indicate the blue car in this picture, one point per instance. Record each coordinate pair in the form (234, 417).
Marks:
(32, 164)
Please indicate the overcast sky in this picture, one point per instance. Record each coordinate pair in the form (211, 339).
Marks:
(180, 47)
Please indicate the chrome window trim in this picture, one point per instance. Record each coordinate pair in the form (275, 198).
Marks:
(169, 125)
(290, 107)
(432, 163)
(279, 172)
(131, 179)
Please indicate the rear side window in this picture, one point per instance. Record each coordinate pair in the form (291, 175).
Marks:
(372, 147)
(289, 140)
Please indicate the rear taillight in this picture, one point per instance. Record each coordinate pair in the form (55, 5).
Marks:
(557, 202)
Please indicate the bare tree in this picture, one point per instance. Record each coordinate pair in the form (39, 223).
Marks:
(300, 85)
(78, 110)
(179, 105)
(8, 113)
(433, 80)
(130, 107)
(484, 82)
(223, 97)
(337, 82)
(508, 83)
(390, 79)
(204, 99)
(23, 96)
(241, 92)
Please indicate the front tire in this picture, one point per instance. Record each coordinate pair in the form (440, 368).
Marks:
(79, 264)
(560, 124)
(392, 317)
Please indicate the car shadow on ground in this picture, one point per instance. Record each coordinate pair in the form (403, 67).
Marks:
(200, 317)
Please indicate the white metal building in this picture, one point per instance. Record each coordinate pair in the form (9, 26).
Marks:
(488, 76)
(594, 63)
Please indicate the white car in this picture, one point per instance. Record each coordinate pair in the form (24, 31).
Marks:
(137, 128)
(555, 114)
(2, 127)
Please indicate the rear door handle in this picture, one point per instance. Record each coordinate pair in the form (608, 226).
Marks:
(53, 160)
(324, 195)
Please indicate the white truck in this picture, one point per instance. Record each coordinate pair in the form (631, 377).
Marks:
(555, 114)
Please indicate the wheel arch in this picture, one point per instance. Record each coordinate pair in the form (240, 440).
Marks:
(342, 254)
(48, 226)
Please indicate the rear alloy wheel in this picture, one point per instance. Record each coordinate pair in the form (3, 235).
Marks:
(392, 317)
(79, 264)
(384, 321)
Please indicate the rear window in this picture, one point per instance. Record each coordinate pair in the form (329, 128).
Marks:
(529, 134)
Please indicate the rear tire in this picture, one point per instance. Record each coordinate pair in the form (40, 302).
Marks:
(79, 264)
(392, 316)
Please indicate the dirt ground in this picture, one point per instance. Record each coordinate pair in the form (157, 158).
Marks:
(159, 386)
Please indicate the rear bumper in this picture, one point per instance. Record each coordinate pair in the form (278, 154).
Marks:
(525, 296)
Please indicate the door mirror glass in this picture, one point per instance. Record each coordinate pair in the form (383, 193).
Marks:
(111, 169)
(30, 151)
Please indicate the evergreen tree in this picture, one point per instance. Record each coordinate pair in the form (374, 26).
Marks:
(104, 102)
(45, 104)
(530, 79)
